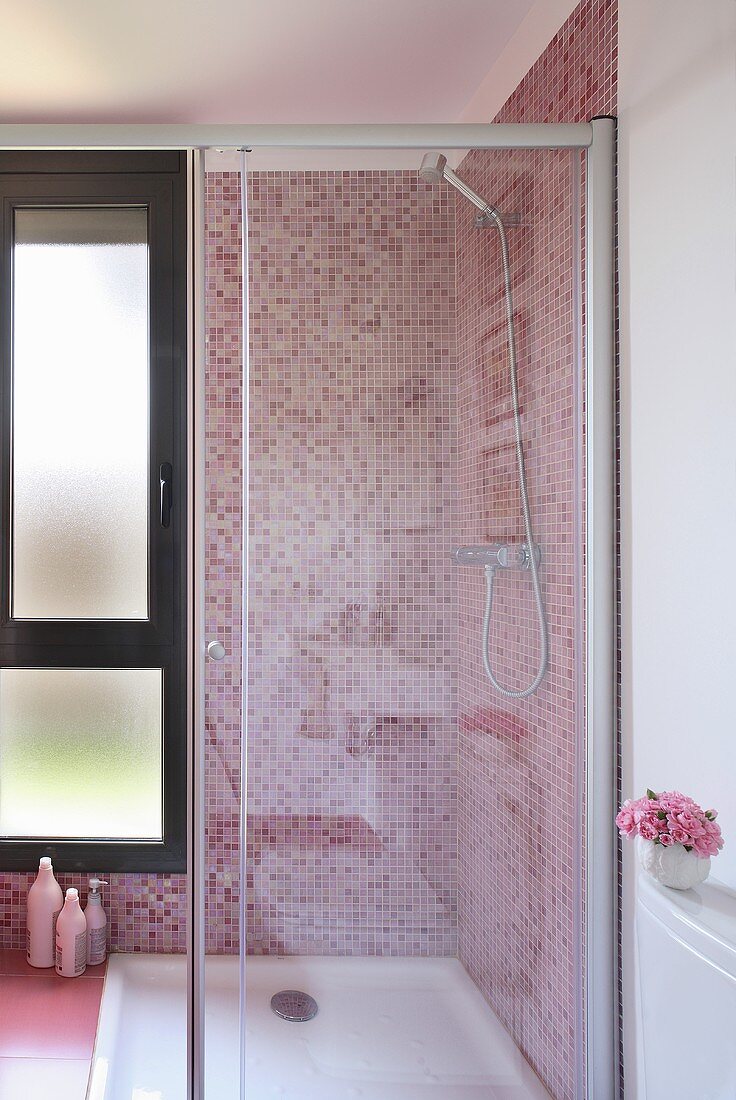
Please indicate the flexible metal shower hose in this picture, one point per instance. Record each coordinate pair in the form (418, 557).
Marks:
(490, 570)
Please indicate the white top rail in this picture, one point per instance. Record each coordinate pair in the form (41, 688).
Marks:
(226, 136)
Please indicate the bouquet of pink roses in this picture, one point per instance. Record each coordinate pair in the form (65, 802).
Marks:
(671, 818)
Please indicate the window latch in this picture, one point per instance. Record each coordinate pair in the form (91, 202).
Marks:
(165, 474)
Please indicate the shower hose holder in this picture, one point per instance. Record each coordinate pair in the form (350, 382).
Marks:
(499, 555)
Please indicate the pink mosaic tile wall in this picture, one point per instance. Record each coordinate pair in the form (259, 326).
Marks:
(144, 912)
(517, 780)
(352, 734)
(519, 816)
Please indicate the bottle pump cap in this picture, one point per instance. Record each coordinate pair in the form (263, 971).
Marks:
(72, 893)
(95, 884)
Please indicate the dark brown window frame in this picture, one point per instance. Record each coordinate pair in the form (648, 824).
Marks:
(158, 181)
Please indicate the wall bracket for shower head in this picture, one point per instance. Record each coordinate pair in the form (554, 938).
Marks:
(487, 221)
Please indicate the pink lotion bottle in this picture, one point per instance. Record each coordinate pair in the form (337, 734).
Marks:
(45, 900)
(71, 938)
(96, 924)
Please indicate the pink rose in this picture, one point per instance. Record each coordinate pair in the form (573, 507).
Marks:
(648, 830)
(704, 846)
(626, 821)
(672, 805)
(666, 839)
(690, 824)
(678, 796)
(679, 835)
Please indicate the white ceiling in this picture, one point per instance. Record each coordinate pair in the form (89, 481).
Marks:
(248, 60)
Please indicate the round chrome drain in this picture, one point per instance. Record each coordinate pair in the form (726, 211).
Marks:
(293, 1005)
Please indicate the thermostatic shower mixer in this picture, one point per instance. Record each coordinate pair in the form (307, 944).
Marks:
(498, 554)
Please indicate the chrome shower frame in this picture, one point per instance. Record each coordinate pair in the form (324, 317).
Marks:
(597, 1079)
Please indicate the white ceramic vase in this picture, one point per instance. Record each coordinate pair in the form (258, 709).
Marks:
(673, 866)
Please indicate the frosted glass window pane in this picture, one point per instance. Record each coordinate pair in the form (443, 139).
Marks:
(80, 414)
(81, 753)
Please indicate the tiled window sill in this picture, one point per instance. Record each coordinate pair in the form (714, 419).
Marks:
(47, 1029)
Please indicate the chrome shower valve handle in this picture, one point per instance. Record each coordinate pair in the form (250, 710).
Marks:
(515, 555)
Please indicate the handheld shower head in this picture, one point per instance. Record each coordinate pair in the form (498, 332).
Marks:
(432, 168)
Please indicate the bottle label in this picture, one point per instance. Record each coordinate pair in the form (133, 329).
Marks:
(80, 954)
(96, 945)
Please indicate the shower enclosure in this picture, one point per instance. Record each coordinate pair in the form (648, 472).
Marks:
(399, 810)
(398, 876)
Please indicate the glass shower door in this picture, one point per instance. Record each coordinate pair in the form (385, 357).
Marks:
(411, 887)
(393, 797)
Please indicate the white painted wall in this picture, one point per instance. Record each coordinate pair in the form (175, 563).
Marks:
(677, 96)
(535, 32)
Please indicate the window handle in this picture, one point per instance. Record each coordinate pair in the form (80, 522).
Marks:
(165, 473)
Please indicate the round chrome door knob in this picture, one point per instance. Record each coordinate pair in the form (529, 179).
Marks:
(215, 651)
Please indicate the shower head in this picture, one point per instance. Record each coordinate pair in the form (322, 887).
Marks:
(434, 168)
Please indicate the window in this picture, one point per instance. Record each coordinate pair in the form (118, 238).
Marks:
(93, 466)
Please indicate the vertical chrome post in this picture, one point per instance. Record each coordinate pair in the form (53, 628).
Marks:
(600, 588)
(245, 526)
(196, 636)
(579, 844)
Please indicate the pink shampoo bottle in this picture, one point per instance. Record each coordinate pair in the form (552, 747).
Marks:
(45, 900)
(71, 938)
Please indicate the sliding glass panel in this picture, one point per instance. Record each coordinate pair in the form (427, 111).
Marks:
(80, 752)
(80, 413)
(403, 812)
